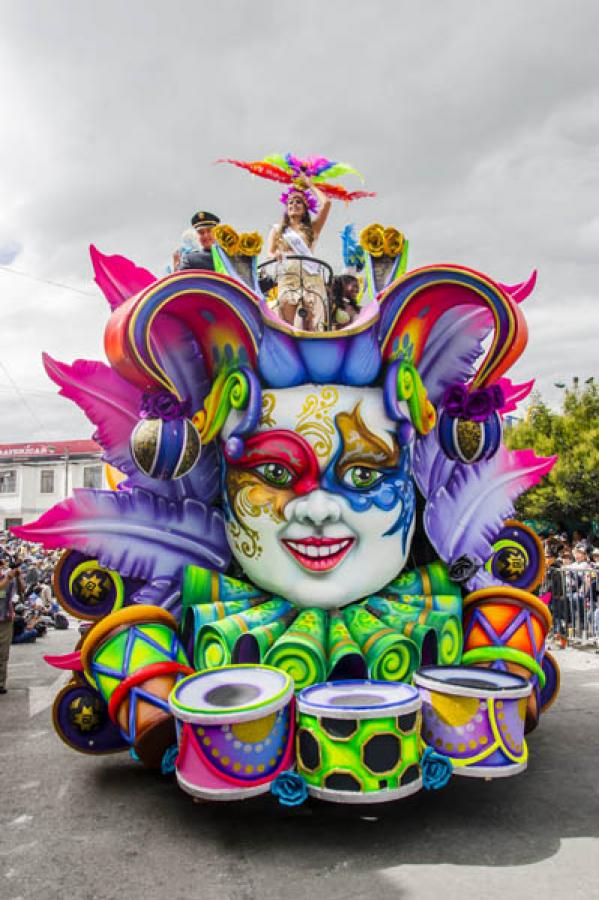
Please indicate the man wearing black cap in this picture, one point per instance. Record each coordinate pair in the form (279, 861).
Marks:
(203, 222)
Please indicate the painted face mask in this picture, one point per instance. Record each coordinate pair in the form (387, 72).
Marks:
(320, 506)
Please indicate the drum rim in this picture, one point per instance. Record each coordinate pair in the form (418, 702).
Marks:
(231, 714)
(428, 682)
(384, 795)
(407, 706)
(127, 616)
(501, 594)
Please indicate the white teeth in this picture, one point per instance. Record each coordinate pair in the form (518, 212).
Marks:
(318, 552)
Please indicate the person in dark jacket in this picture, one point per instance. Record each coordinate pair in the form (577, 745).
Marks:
(204, 224)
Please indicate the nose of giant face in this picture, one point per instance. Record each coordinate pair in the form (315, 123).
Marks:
(316, 508)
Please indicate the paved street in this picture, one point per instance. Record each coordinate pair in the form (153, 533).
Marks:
(101, 829)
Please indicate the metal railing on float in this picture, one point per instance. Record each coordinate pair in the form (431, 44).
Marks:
(300, 288)
(574, 602)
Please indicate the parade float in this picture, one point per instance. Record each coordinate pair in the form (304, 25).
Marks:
(306, 578)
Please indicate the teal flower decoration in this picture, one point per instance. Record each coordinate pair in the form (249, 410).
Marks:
(436, 770)
(169, 757)
(289, 788)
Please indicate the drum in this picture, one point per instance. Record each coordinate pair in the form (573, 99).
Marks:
(235, 726)
(505, 628)
(475, 717)
(133, 657)
(359, 741)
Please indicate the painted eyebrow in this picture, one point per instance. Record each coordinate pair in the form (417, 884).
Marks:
(360, 446)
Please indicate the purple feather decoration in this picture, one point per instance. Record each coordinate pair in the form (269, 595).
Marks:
(117, 277)
(454, 344)
(483, 579)
(431, 466)
(464, 517)
(181, 358)
(164, 592)
(135, 532)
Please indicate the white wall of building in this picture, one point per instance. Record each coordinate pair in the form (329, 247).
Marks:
(28, 501)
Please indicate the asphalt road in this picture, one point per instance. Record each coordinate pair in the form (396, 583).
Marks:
(101, 829)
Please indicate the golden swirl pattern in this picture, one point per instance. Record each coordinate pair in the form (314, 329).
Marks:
(315, 420)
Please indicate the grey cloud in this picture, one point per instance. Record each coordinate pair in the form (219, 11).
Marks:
(477, 123)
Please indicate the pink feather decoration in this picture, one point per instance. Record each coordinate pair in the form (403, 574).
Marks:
(117, 277)
(520, 291)
(514, 393)
(109, 402)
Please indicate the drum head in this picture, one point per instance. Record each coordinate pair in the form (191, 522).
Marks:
(231, 694)
(470, 681)
(363, 699)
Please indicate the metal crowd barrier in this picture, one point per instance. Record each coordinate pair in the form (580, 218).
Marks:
(574, 602)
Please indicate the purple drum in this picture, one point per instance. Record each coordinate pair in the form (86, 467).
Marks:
(475, 717)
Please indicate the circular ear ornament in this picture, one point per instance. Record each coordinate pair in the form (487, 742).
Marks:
(517, 557)
(469, 426)
(468, 441)
(165, 449)
(85, 589)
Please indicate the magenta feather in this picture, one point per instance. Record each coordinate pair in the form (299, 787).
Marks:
(521, 291)
(135, 532)
(117, 277)
(465, 516)
(514, 393)
(110, 402)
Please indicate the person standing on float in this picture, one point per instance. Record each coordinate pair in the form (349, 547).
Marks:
(300, 282)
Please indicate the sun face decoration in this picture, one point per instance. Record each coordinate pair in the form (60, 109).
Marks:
(320, 505)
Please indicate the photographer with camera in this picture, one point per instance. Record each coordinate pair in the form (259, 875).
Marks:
(10, 582)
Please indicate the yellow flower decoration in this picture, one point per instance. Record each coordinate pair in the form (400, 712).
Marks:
(250, 243)
(393, 241)
(372, 239)
(227, 238)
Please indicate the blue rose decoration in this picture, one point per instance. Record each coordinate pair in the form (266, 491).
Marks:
(436, 770)
(289, 788)
(167, 763)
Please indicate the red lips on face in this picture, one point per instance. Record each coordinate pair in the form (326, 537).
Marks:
(319, 554)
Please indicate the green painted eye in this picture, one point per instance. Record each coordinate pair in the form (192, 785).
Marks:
(275, 474)
(361, 477)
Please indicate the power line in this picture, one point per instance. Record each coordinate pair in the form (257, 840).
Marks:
(21, 395)
(59, 284)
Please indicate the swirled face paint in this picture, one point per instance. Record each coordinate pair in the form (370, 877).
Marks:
(324, 490)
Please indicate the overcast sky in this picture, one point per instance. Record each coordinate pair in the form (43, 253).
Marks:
(476, 122)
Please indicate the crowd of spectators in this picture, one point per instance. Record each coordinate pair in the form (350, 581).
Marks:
(572, 576)
(27, 604)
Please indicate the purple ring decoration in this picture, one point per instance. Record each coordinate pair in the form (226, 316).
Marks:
(93, 594)
(518, 557)
(81, 720)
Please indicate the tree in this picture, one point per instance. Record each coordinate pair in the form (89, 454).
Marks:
(571, 490)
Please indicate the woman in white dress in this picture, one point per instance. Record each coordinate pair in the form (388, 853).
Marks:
(300, 283)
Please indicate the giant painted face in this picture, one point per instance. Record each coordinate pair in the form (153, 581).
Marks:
(320, 506)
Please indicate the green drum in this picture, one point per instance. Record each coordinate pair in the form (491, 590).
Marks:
(359, 741)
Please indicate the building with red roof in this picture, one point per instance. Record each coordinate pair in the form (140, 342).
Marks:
(36, 475)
